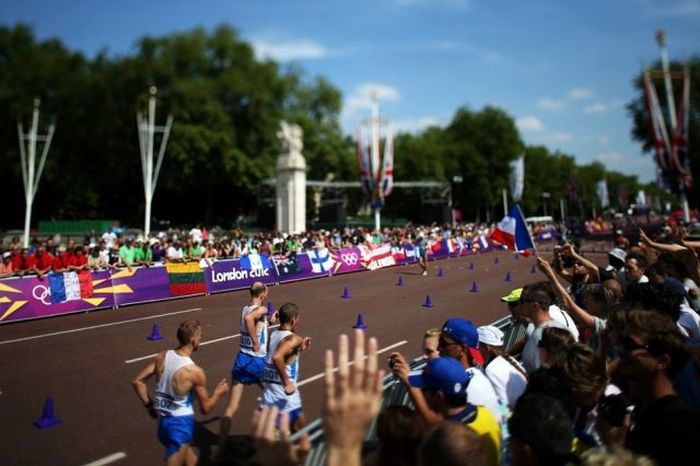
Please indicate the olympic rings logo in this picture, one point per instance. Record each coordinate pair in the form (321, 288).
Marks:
(349, 258)
(42, 293)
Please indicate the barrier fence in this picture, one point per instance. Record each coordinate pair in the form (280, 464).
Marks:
(32, 297)
(394, 393)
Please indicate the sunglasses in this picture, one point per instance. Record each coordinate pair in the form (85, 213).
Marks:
(444, 343)
(627, 345)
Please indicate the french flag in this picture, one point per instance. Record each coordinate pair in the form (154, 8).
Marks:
(70, 286)
(483, 243)
(512, 231)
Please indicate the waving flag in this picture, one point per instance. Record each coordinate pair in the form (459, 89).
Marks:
(658, 126)
(483, 243)
(517, 178)
(364, 164)
(387, 180)
(680, 135)
(602, 189)
(512, 231)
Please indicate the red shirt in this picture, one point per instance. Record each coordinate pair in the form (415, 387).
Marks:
(61, 261)
(77, 261)
(20, 263)
(43, 261)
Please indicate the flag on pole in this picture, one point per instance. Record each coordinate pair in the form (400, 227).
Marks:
(602, 189)
(387, 180)
(658, 126)
(517, 178)
(512, 231)
(680, 136)
(364, 164)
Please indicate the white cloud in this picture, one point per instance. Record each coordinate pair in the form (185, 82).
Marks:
(302, 49)
(529, 124)
(682, 9)
(413, 125)
(596, 108)
(558, 138)
(547, 103)
(579, 93)
(361, 99)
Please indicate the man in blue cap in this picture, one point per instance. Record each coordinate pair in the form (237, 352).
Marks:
(444, 383)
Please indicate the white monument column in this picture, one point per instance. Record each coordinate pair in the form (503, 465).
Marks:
(291, 180)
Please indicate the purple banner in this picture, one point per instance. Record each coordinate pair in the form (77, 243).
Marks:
(347, 260)
(140, 285)
(232, 275)
(30, 298)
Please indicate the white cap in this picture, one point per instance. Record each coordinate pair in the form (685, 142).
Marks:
(490, 335)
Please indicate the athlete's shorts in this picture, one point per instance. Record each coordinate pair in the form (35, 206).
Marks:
(174, 432)
(248, 369)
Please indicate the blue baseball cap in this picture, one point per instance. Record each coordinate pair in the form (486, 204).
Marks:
(464, 331)
(444, 374)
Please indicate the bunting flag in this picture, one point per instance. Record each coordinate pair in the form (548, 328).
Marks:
(659, 134)
(517, 178)
(387, 176)
(602, 189)
(641, 198)
(68, 286)
(186, 279)
(680, 135)
(512, 231)
(364, 164)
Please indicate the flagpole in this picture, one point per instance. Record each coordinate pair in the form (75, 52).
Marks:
(505, 202)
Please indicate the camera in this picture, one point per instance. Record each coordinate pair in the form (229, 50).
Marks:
(392, 363)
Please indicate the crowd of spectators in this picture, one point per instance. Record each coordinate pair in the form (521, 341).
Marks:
(608, 373)
(109, 250)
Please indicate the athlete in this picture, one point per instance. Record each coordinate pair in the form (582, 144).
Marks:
(282, 367)
(250, 362)
(423, 253)
(178, 380)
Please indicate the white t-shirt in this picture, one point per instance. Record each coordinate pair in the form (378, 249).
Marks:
(508, 382)
(196, 235)
(109, 238)
(481, 392)
(690, 321)
(560, 315)
(531, 352)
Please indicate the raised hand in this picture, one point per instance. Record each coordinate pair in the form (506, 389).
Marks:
(272, 451)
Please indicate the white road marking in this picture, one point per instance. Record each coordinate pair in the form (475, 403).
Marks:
(82, 329)
(209, 342)
(108, 459)
(335, 369)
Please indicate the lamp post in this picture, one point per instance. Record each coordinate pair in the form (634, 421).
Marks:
(545, 196)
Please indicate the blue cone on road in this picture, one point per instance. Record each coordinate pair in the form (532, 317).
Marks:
(399, 282)
(495, 260)
(475, 287)
(471, 266)
(48, 418)
(346, 293)
(508, 277)
(533, 269)
(360, 322)
(155, 333)
(440, 272)
(428, 302)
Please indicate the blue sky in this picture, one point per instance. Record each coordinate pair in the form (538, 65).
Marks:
(562, 69)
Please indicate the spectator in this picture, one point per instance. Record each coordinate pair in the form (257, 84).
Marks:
(444, 386)
(78, 261)
(6, 265)
(451, 443)
(666, 428)
(430, 343)
(541, 432)
(506, 374)
(635, 267)
(43, 261)
(23, 263)
(536, 304)
(109, 237)
(174, 252)
(127, 253)
(96, 261)
(157, 250)
(61, 261)
(143, 255)
(554, 341)
(399, 433)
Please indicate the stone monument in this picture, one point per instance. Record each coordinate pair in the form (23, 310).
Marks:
(291, 180)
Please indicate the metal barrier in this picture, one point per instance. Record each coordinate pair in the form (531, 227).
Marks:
(394, 393)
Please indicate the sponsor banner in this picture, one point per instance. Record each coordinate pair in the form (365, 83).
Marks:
(376, 258)
(347, 260)
(140, 285)
(234, 274)
(30, 297)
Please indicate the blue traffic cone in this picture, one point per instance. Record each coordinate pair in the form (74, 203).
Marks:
(508, 277)
(533, 269)
(360, 322)
(155, 333)
(471, 266)
(270, 308)
(495, 260)
(440, 272)
(48, 418)
(428, 301)
(399, 282)
(475, 288)
(346, 293)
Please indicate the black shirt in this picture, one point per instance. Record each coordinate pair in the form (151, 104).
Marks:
(668, 431)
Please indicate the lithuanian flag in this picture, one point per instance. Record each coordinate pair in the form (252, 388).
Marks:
(186, 279)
